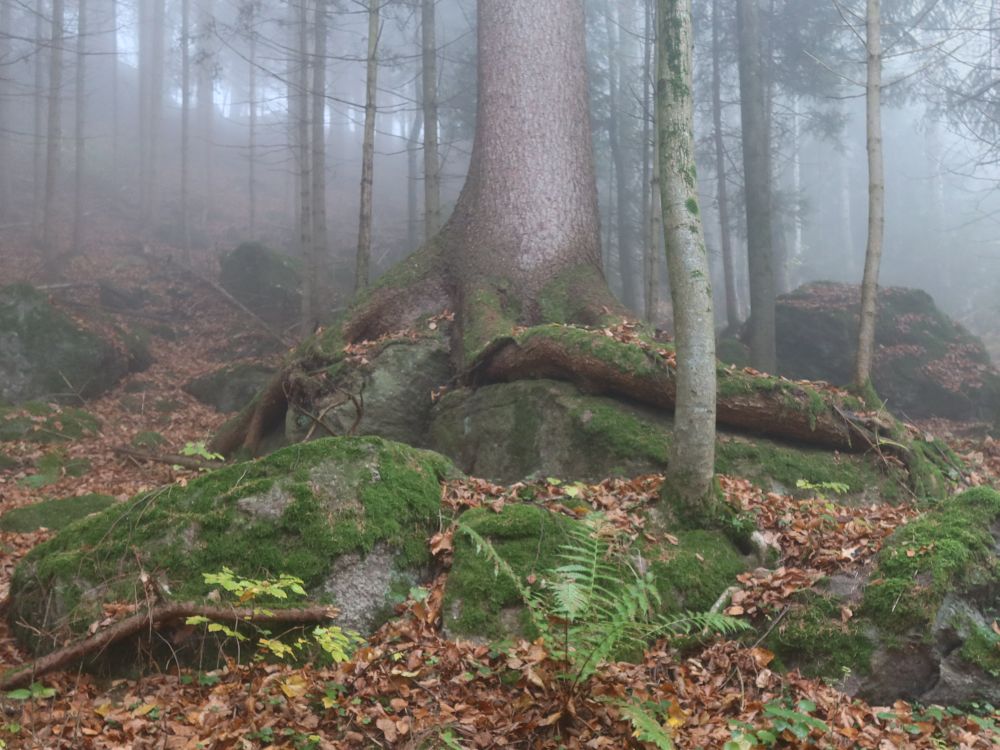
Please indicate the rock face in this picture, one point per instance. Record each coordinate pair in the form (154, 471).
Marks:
(264, 281)
(389, 394)
(44, 355)
(349, 516)
(231, 388)
(926, 365)
(923, 620)
(510, 431)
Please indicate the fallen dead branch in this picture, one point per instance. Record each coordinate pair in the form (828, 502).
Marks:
(154, 619)
(173, 459)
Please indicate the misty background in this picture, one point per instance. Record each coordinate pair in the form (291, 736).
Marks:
(112, 170)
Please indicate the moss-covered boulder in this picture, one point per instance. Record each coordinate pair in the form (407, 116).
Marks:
(388, 392)
(349, 516)
(926, 364)
(510, 431)
(921, 625)
(540, 428)
(482, 602)
(263, 280)
(230, 388)
(43, 354)
(39, 422)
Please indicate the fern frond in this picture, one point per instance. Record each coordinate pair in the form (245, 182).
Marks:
(645, 726)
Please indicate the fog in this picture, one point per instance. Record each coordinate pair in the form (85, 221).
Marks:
(100, 146)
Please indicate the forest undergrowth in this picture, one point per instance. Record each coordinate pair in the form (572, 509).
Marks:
(409, 686)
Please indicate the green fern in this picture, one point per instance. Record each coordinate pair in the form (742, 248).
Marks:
(595, 604)
(646, 728)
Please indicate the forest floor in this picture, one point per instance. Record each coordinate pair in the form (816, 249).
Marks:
(408, 686)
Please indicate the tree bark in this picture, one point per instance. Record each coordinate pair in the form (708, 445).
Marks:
(361, 274)
(80, 154)
(206, 104)
(53, 139)
(252, 134)
(722, 188)
(757, 179)
(876, 195)
(38, 150)
(115, 96)
(650, 171)
(432, 166)
(186, 127)
(318, 147)
(6, 188)
(412, 149)
(305, 176)
(689, 481)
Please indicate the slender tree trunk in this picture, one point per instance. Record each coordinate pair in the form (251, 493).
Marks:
(305, 177)
(753, 110)
(651, 204)
(722, 187)
(432, 166)
(293, 95)
(797, 230)
(142, 13)
(53, 141)
(206, 105)
(115, 94)
(186, 127)
(692, 456)
(631, 293)
(156, 107)
(252, 136)
(876, 196)
(318, 171)
(412, 149)
(368, 152)
(38, 141)
(5, 107)
(80, 154)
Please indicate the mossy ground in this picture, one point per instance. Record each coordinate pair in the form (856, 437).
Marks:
(53, 514)
(945, 550)
(39, 422)
(339, 495)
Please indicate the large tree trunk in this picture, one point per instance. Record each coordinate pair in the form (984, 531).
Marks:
(689, 482)
(368, 152)
(305, 164)
(722, 188)
(428, 75)
(318, 147)
(753, 108)
(876, 197)
(53, 138)
(80, 154)
(651, 204)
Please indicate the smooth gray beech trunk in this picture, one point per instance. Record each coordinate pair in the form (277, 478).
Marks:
(691, 468)
(876, 195)
(361, 275)
(652, 207)
(53, 138)
(432, 162)
(528, 211)
(757, 181)
(186, 127)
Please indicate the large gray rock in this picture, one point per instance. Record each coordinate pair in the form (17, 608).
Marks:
(510, 431)
(44, 355)
(263, 280)
(390, 394)
(349, 516)
(926, 364)
(230, 388)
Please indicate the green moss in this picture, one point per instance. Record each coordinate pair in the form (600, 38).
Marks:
(148, 440)
(813, 638)
(733, 352)
(301, 508)
(528, 537)
(565, 298)
(692, 206)
(40, 423)
(982, 648)
(586, 343)
(625, 435)
(692, 575)
(53, 514)
(52, 467)
(490, 312)
(765, 461)
(941, 551)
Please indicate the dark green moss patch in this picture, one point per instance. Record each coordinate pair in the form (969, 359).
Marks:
(41, 423)
(53, 514)
(692, 575)
(982, 648)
